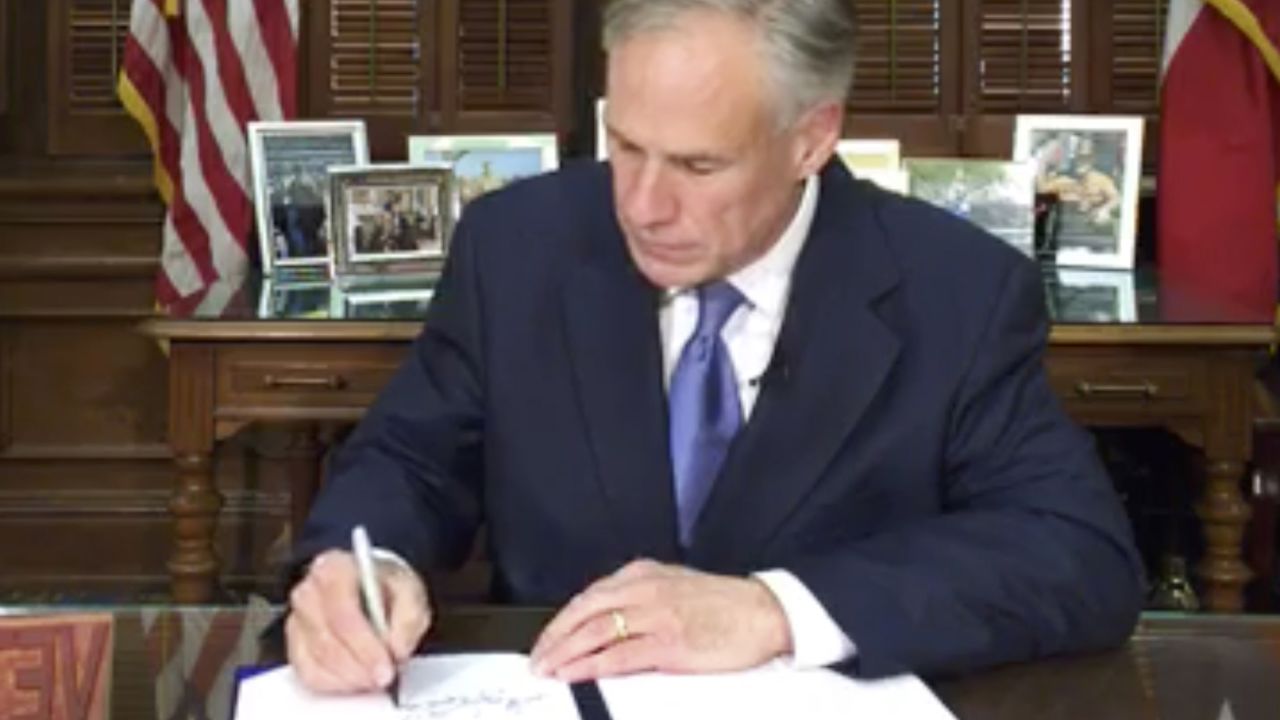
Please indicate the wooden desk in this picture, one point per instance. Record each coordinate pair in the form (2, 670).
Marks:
(1172, 669)
(1192, 374)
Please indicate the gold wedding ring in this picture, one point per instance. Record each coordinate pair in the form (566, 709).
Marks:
(620, 631)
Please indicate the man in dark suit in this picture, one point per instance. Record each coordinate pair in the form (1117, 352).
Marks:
(726, 402)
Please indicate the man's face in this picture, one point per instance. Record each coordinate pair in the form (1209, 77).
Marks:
(703, 180)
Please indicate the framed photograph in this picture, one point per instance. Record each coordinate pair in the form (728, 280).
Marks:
(894, 180)
(602, 132)
(873, 155)
(390, 220)
(995, 195)
(482, 163)
(1082, 296)
(387, 304)
(290, 163)
(297, 300)
(1090, 166)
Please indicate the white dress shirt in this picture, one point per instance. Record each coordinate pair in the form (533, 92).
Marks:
(750, 334)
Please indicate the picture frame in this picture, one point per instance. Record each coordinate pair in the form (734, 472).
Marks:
(996, 195)
(289, 161)
(1082, 296)
(387, 303)
(391, 221)
(602, 131)
(293, 300)
(483, 163)
(898, 181)
(1091, 166)
(876, 155)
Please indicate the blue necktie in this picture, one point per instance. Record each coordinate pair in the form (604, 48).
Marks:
(704, 407)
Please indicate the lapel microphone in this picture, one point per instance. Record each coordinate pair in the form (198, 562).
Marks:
(778, 371)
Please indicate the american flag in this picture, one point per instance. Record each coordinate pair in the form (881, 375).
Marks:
(193, 654)
(194, 73)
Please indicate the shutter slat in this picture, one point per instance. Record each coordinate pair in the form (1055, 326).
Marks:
(1137, 48)
(505, 55)
(96, 33)
(899, 57)
(375, 60)
(1024, 55)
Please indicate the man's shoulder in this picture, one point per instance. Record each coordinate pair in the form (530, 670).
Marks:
(536, 227)
(548, 197)
(931, 242)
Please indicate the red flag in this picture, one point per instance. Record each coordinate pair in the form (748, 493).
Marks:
(194, 73)
(1219, 178)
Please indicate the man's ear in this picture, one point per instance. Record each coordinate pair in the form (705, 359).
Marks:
(817, 133)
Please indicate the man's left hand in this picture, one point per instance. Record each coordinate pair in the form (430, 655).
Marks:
(649, 616)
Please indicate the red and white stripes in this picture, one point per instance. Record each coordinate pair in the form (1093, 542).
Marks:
(194, 74)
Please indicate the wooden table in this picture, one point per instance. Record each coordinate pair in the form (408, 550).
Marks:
(1174, 668)
(1157, 359)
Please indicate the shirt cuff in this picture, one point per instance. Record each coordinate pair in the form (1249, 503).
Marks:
(816, 639)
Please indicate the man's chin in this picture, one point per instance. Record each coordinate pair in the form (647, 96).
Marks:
(668, 275)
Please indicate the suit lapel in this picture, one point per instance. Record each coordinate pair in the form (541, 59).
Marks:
(615, 350)
(830, 360)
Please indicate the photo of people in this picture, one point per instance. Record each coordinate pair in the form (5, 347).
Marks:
(290, 163)
(1091, 166)
(391, 220)
(398, 221)
(1091, 296)
(296, 198)
(996, 196)
(485, 163)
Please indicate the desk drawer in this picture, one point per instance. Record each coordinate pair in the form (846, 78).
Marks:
(295, 376)
(1129, 380)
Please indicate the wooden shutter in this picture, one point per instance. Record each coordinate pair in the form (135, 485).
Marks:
(1024, 53)
(506, 66)
(504, 55)
(371, 60)
(86, 44)
(375, 58)
(902, 87)
(899, 56)
(1137, 53)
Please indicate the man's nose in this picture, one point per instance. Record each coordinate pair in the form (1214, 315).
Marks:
(651, 200)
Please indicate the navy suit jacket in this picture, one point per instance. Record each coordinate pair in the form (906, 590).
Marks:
(906, 458)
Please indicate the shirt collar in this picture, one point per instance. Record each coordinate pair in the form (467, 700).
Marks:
(765, 282)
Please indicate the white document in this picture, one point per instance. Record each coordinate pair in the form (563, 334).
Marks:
(445, 687)
(771, 691)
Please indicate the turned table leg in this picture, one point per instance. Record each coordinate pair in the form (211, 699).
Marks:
(1223, 512)
(194, 506)
(1223, 515)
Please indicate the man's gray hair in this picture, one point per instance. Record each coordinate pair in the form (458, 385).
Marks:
(808, 44)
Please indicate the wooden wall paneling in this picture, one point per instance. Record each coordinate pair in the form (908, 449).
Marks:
(54, 374)
(124, 518)
(6, 62)
(6, 383)
(23, 130)
(84, 48)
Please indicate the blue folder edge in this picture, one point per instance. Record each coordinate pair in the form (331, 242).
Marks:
(239, 675)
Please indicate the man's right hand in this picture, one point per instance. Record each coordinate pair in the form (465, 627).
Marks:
(331, 644)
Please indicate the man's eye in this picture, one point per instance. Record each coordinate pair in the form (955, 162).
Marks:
(699, 167)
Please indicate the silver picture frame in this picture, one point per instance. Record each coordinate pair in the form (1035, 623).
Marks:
(290, 161)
